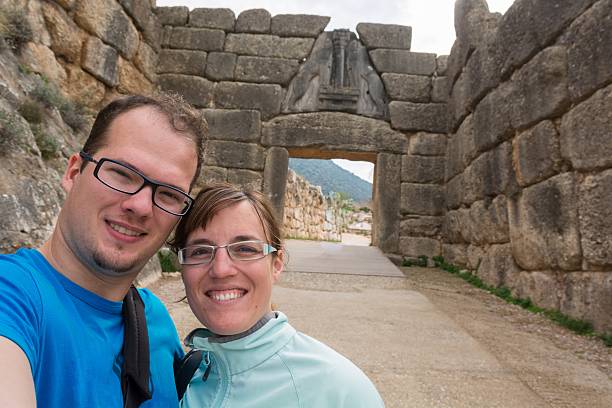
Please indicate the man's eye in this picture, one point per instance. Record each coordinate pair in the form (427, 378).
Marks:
(169, 196)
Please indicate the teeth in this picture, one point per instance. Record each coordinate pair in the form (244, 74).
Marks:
(221, 297)
(124, 230)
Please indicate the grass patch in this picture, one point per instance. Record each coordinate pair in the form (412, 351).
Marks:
(420, 261)
(166, 259)
(15, 30)
(49, 147)
(576, 325)
(32, 111)
(49, 95)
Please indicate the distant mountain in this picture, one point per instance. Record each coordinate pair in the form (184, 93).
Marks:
(331, 177)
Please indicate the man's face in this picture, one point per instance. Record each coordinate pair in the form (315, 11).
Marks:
(113, 233)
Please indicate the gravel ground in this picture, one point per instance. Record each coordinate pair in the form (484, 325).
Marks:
(556, 366)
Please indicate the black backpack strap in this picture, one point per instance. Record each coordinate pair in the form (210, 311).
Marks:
(135, 371)
(185, 369)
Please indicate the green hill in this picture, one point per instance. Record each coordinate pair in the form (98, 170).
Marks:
(332, 177)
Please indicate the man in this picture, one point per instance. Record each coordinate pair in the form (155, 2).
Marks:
(61, 326)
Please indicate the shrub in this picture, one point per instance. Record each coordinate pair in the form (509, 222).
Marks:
(15, 29)
(49, 95)
(49, 147)
(32, 111)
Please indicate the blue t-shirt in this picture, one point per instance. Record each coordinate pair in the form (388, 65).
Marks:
(73, 337)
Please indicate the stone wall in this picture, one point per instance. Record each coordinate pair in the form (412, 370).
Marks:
(309, 214)
(528, 178)
(93, 49)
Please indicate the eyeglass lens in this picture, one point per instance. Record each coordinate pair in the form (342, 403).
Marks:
(240, 251)
(126, 180)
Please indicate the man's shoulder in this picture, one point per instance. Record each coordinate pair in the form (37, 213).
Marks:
(20, 268)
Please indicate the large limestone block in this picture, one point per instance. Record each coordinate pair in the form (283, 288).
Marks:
(188, 62)
(536, 154)
(422, 169)
(544, 288)
(385, 35)
(212, 174)
(428, 117)
(589, 51)
(276, 179)
(529, 25)
(471, 18)
(238, 155)
(421, 226)
(586, 130)
(254, 21)
(174, 16)
(492, 118)
(205, 39)
(475, 255)
(107, 20)
(440, 89)
(403, 62)
(455, 254)
(101, 61)
(151, 272)
(266, 98)
(490, 175)
(427, 144)
(454, 192)
(83, 87)
(540, 88)
(461, 149)
(333, 131)
(265, 70)
(220, 66)
(441, 65)
(459, 104)
(221, 18)
(39, 58)
(595, 201)
(197, 91)
(146, 61)
(543, 222)
(422, 199)
(497, 265)
(387, 203)
(413, 88)
(236, 125)
(131, 80)
(588, 296)
(145, 19)
(482, 72)
(452, 227)
(248, 179)
(414, 247)
(298, 25)
(35, 19)
(66, 37)
(262, 45)
(487, 222)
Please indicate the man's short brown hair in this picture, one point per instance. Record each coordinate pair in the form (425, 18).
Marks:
(182, 117)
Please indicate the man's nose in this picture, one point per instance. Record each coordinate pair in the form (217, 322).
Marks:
(141, 203)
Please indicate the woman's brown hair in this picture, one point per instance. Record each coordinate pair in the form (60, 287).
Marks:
(214, 198)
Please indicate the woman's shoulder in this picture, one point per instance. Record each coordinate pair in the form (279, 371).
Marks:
(315, 365)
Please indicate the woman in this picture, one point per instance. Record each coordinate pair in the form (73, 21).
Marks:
(231, 254)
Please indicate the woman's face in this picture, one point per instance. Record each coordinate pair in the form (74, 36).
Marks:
(230, 296)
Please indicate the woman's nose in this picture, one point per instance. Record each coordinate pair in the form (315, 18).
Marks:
(222, 264)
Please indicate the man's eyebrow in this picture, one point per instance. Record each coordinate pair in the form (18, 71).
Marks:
(135, 168)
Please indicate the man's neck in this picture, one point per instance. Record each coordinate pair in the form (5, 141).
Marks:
(63, 259)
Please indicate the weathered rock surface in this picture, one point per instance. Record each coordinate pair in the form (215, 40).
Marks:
(385, 35)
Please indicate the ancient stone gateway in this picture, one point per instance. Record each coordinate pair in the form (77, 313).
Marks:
(494, 157)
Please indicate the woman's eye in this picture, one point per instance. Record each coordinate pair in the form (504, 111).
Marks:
(247, 249)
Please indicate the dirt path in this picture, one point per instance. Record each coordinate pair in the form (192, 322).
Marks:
(431, 340)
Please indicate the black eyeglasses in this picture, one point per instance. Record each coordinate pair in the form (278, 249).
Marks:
(238, 251)
(124, 179)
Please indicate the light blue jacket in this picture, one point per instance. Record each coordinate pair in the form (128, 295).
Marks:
(276, 366)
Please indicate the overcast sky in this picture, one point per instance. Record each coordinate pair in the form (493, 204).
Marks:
(431, 21)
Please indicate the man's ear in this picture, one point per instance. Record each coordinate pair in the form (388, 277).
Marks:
(73, 169)
(278, 264)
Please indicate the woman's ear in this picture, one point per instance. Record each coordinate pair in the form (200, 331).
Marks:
(278, 264)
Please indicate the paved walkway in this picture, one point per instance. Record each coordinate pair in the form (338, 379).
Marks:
(426, 338)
